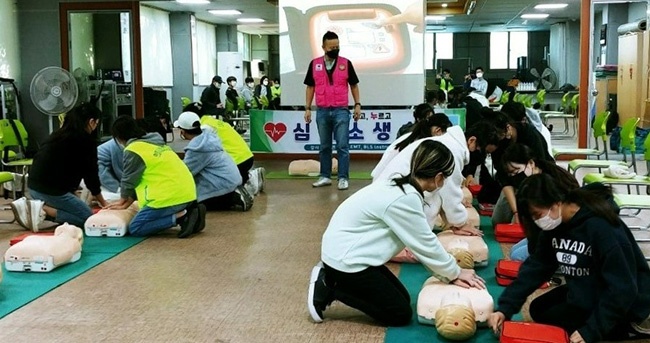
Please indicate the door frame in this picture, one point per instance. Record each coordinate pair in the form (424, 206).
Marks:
(134, 8)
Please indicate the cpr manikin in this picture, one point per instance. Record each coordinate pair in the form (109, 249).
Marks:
(110, 223)
(454, 310)
(309, 167)
(44, 253)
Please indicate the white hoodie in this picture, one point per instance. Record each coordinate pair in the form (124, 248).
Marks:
(377, 222)
(450, 196)
(388, 155)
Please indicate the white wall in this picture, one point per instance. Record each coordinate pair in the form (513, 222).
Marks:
(9, 48)
(637, 10)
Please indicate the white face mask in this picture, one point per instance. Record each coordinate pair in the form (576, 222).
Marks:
(265, 82)
(547, 223)
(479, 75)
(250, 84)
(233, 83)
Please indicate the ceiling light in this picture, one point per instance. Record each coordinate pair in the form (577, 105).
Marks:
(550, 6)
(193, 1)
(250, 20)
(444, 5)
(535, 16)
(225, 12)
(471, 7)
(435, 17)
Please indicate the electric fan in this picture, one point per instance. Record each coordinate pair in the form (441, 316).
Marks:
(53, 91)
(547, 80)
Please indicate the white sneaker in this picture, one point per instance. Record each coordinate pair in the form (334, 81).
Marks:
(323, 181)
(36, 214)
(261, 181)
(253, 180)
(19, 208)
(244, 201)
(642, 327)
(343, 184)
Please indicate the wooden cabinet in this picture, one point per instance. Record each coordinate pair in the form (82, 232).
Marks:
(605, 88)
(632, 78)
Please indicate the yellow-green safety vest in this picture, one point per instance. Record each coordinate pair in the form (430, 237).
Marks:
(275, 92)
(166, 181)
(233, 143)
(446, 86)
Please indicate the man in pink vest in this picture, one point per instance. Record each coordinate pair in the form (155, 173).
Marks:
(328, 78)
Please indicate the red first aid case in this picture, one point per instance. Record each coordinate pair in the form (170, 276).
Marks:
(507, 271)
(485, 209)
(474, 189)
(519, 332)
(509, 233)
(24, 235)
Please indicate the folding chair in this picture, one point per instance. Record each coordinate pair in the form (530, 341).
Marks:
(599, 133)
(628, 137)
(569, 112)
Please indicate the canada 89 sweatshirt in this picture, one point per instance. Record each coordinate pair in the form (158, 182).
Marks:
(376, 223)
(605, 271)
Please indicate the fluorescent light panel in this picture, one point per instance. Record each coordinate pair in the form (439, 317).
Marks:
(193, 1)
(225, 12)
(550, 6)
(250, 20)
(535, 16)
(435, 17)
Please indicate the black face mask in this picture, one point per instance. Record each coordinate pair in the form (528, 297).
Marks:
(333, 53)
(517, 179)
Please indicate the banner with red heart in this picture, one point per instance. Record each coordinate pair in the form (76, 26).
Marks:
(275, 131)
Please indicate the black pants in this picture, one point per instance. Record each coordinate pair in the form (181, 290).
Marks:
(552, 308)
(374, 291)
(244, 168)
(220, 203)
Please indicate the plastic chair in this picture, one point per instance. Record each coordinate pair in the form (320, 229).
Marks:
(15, 140)
(505, 96)
(628, 137)
(600, 133)
(541, 97)
(185, 101)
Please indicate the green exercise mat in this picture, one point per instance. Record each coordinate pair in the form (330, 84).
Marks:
(18, 289)
(285, 175)
(413, 277)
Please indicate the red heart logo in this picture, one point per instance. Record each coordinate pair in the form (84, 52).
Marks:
(275, 131)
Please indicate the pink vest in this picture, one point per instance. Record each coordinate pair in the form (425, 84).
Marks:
(335, 94)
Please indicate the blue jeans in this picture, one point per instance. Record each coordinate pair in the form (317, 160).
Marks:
(519, 251)
(149, 221)
(334, 122)
(69, 208)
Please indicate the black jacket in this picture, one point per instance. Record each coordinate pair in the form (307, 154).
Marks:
(605, 271)
(61, 164)
(210, 98)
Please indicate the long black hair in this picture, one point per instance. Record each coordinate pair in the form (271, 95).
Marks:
(542, 190)
(522, 154)
(422, 129)
(429, 159)
(76, 121)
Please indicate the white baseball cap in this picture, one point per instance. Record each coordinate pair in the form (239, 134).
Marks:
(186, 121)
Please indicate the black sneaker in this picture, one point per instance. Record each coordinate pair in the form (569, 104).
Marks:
(190, 222)
(319, 295)
(201, 224)
(243, 200)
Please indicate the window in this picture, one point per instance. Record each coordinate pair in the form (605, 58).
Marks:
(506, 47)
(204, 52)
(428, 50)
(444, 45)
(156, 47)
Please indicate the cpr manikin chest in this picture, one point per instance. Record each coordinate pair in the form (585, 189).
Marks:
(110, 223)
(44, 253)
(309, 167)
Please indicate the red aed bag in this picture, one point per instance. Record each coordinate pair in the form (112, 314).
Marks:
(485, 209)
(474, 189)
(507, 271)
(519, 332)
(24, 235)
(509, 233)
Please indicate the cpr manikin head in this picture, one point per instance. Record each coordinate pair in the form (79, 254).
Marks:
(455, 319)
(461, 252)
(331, 45)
